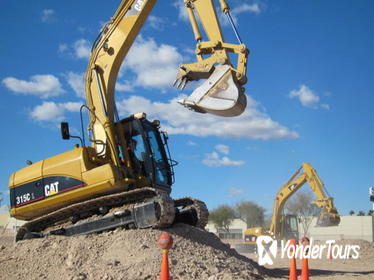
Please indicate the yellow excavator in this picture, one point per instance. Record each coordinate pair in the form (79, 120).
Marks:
(286, 226)
(124, 177)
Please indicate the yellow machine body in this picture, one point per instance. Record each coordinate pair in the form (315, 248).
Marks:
(59, 181)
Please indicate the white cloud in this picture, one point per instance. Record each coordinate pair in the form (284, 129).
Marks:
(48, 16)
(191, 143)
(182, 11)
(214, 160)
(247, 8)
(43, 86)
(47, 111)
(254, 8)
(157, 68)
(76, 82)
(63, 48)
(307, 97)
(251, 124)
(81, 48)
(127, 87)
(235, 191)
(252, 148)
(82, 29)
(53, 112)
(236, 11)
(156, 22)
(71, 106)
(224, 149)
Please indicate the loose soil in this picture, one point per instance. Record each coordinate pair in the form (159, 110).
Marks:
(124, 254)
(134, 254)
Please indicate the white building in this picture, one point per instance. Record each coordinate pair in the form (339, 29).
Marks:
(350, 227)
(236, 231)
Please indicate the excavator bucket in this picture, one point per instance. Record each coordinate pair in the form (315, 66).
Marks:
(326, 219)
(218, 95)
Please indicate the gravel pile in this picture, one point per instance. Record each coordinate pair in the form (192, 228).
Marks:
(125, 254)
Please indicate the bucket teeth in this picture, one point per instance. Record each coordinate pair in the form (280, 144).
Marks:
(180, 83)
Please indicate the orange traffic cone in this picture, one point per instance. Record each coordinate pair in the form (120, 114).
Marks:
(164, 274)
(293, 271)
(304, 262)
(304, 269)
(166, 242)
(329, 254)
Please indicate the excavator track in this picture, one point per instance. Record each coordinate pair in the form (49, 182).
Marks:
(140, 208)
(166, 209)
(192, 210)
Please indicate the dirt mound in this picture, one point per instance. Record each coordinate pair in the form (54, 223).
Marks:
(366, 248)
(120, 254)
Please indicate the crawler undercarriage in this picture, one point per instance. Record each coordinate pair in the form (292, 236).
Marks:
(141, 208)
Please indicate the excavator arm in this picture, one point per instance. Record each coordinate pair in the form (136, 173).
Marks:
(329, 215)
(221, 94)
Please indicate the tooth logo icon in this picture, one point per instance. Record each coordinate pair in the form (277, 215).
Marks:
(266, 249)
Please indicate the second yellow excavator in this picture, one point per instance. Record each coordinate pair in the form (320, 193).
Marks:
(286, 226)
(124, 178)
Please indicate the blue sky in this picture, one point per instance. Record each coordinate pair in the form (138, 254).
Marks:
(310, 94)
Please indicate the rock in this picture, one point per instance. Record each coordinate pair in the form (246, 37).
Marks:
(113, 262)
(80, 276)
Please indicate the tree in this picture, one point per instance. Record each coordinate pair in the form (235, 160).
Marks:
(250, 213)
(351, 212)
(267, 220)
(222, 217)
(361, 213)
(371, 212)
(301, 205)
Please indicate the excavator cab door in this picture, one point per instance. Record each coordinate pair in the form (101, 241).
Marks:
(289, 227)
(148, 152)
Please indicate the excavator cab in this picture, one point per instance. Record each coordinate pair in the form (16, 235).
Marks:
(148, 151)
(289, 227)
